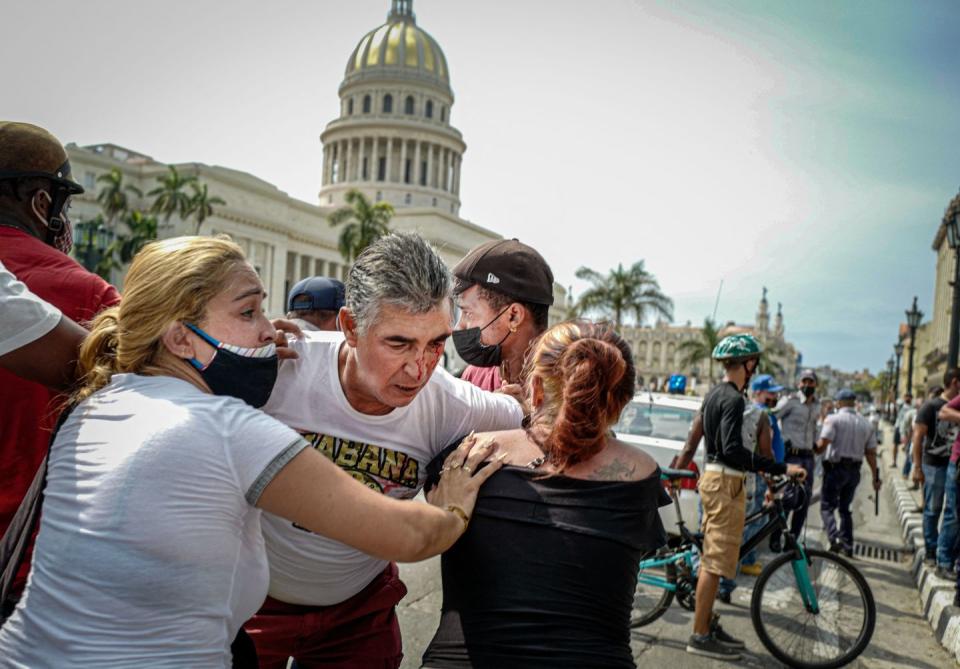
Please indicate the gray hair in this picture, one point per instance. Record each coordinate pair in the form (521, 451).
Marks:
(400, 269)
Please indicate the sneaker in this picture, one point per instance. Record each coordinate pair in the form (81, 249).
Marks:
(930, 559)
(708, 646)
(717, 632)
(945, 573)
(724, 596)
(751, 569)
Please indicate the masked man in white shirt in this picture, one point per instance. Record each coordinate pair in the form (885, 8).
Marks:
(371, 399)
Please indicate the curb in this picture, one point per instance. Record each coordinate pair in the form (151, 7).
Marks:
(936, 594)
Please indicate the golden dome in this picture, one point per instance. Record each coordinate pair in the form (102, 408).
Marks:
(399, 44)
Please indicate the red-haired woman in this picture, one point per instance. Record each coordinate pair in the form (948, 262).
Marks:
(545, 574)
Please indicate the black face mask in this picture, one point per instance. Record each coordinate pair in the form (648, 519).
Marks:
(245, 373)
(771, 404)
(473, 351)
(808, 391)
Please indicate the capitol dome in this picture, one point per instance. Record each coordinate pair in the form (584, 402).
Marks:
(398, 48)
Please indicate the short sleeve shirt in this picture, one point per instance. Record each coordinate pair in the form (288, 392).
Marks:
(26, 317)
(940, 436)
(387, 453)
(955, 449)
(849, 434)
(150, 551)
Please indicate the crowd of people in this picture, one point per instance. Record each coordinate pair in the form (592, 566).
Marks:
(215, 488)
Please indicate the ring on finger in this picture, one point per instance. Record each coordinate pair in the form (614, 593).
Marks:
(467, 469)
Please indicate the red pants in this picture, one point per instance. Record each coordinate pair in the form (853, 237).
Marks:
(359, 633)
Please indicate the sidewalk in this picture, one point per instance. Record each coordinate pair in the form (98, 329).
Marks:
(936, 594)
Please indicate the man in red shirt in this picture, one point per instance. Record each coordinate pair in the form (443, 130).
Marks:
(35, 236)
(504, 290)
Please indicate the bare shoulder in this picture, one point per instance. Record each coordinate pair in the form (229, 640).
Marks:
(620, 461)
(518, 448)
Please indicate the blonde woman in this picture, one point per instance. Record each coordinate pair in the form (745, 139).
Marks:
(545, 575)
(149, 552)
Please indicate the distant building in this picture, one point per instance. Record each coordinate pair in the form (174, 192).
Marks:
(657, 352)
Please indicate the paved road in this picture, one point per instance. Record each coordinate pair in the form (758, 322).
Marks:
(902, 638)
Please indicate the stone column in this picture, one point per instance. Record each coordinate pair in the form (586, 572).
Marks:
(430, 166)
(403, 160)
(389, 172)
(350, 161)
(374, 164)
(323, 170)
(416, 164)
(456, 174)
(318, 267)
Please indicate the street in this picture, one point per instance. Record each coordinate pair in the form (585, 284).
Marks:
(902, 637)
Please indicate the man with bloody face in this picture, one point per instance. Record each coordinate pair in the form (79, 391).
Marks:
(372, 399)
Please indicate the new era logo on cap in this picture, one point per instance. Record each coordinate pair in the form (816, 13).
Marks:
(492, 278)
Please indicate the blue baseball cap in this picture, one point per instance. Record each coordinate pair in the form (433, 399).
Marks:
(765, 382)
(845, 394)
(316, 292)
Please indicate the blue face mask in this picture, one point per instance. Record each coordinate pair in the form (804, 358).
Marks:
(245, 373)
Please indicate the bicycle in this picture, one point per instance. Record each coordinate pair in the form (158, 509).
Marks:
(810, 608)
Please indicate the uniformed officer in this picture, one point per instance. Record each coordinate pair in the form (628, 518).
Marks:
(848, 438)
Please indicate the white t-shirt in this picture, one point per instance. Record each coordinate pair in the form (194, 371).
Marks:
(149, 552)
(387, 453)
(24, 317)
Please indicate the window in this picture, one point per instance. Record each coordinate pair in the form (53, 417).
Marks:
(366, 104)
(428, 112)
(350, 107)
(408, 105)
(365, 177)
(406, 171)
(406, 198)
(379, 196)
(443, 113)
(381, 169)
(652, 420)
(89, 180)
(387, 104)
(423, 173)
(434, 204)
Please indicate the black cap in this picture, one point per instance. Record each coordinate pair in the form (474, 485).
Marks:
(316, 292)
(509, 267)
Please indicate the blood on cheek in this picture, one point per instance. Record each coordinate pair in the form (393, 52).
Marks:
(428, 361)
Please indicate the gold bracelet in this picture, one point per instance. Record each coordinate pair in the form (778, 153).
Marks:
(460, 513)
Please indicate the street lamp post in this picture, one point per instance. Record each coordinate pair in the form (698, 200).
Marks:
(898, 350)
(889, 387)
(913, 322)
(952, 224)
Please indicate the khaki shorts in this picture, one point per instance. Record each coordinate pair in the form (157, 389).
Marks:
(724, 509)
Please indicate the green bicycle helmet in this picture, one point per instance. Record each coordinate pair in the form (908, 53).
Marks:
(737, 347)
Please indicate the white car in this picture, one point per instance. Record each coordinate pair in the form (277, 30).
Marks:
(658, 424)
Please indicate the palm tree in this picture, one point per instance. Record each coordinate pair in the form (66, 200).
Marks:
(366, 223)
(114, 197)
(693, 351)
(622, 292)
(170, 198)
(143, 229)
(201, 204)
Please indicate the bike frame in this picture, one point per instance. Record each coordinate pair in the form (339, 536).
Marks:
(777, 519)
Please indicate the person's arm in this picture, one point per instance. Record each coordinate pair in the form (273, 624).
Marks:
(949, 414)
(461, 408)
(827, 435)
(765, 438)
(683, 458)
(316, 494)
(919, 432)
(51, 359)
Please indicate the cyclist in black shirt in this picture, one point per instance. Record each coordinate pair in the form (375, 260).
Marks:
(722, 489)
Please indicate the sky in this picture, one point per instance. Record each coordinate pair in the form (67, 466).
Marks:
(810, 147)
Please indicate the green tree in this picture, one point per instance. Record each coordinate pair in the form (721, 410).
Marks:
(632, 291)
(142, 229)
(694, 351)
(364, 222)
(170, 196)
(768, 362)
(114, 197)
(201, 204)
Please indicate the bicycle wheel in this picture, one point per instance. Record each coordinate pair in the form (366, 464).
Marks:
(833, 636)
(651, 601)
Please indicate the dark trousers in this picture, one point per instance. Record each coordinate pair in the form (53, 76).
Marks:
(839, 485)
(796, 501)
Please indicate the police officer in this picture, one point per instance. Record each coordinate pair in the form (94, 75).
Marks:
(798, 416)
(847, 438)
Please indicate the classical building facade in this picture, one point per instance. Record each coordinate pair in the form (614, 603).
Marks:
(657, 350)
(393, 141)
